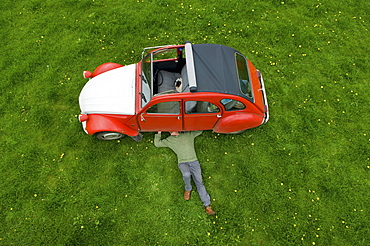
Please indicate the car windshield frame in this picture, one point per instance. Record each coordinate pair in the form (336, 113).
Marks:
(147, 71)
(145, 75)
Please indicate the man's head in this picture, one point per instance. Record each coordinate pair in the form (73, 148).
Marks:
(174, 133)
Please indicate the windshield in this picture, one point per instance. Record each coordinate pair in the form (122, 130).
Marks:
(164, 58)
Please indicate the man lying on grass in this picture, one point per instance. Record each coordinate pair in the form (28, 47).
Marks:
(183, 146)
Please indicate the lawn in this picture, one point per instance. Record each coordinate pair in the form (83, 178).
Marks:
(300, 179)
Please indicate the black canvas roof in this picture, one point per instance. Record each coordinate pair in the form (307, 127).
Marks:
(215, 68)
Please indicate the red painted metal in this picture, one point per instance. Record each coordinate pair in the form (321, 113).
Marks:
(111, 123)
(105, 67)
(83, 117)
(87, 74)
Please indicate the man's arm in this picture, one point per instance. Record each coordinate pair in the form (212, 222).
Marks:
(158, 142)
(197, 133)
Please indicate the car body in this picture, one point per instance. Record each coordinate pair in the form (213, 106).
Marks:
(184, 87)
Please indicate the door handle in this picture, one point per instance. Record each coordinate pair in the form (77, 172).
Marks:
(178, 117)
(219, 116)
(142, 118)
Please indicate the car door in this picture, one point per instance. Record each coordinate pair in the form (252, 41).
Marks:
(200, 115)
(162, 116)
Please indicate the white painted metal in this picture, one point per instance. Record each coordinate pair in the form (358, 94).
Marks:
(112, 92)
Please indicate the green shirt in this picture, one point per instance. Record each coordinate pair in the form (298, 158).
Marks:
(182, 145)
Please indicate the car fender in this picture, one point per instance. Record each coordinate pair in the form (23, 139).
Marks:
(105, 67)
(111, 123)
(237, 122)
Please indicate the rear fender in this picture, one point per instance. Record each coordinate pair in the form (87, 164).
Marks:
(237, 122)
(110, 123)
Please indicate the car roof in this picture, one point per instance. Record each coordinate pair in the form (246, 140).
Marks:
(215, 69)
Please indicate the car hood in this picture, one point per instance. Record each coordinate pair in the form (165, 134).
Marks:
(112, 92)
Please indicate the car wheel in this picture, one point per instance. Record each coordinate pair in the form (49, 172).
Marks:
(109, 135)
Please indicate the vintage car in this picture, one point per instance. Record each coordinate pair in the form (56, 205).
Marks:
(185, 87)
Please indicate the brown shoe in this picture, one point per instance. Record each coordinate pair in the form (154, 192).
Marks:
(209, 210)
(187, 195)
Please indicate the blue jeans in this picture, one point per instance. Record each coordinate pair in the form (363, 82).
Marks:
(192, 170)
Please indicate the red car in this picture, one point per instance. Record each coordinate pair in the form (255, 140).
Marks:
(183, 87)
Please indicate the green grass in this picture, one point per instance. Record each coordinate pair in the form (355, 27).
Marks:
(301, 179)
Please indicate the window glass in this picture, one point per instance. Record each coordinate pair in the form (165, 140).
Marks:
(165, 108)
(245, 85)
(165, 54)
(196, 107)
(231, 104)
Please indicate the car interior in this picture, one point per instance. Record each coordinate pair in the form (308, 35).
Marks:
(170, 75)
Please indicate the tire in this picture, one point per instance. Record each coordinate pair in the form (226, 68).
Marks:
(237, 132)
(109, 135)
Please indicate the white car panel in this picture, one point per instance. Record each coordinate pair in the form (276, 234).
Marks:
(112, 92)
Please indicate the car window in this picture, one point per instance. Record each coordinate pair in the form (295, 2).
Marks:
(172, 107)
(196, 107)
(165, 54)
(231, 104)
(244, 82)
